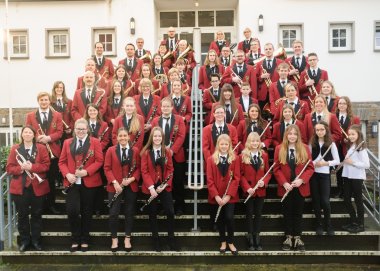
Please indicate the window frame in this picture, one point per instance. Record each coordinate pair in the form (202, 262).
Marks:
(299, 27)
(95, 38)
(6, 131)
(12, 33)
(49, 32)
(376, 48)
(350, 37)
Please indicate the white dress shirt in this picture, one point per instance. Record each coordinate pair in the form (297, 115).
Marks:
(332, 163)
(361, 163)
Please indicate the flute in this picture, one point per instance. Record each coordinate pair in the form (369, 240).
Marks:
(151, 198)
(265, 129)
(341, 164)
(130, 172)
(257, 185)
(225, 193)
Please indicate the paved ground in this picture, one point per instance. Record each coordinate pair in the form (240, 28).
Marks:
(189, 268)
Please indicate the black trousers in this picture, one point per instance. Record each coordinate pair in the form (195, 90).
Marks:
(320, 192)
(53, 175)
(29, 230)
(292, 208)
(353, 188)
(167, 203)
(254, 206)
(178, 185)
(79, 207)
(129, 211)
(225, 222)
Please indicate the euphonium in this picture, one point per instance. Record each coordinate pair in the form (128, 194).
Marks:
(184, 53)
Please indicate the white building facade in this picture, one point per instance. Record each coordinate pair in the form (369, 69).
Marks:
(50, 40)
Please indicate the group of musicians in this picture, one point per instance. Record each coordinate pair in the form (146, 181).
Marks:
(127, 129)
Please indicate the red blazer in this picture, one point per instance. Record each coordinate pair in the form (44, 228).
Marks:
(167, 63)
(217, 184)
(112, 113)
(262, 89)
(277, 136)
(152, 173)
(105, 70)
(282, 174)
(249, 76)
(247, 47)
(69, 161)
(166, 90)
(342, 145)
(40, 166)
(154, 106)
(301, 105)
(333, 103)
(80, 102)
(266, 138)
(208, 143)
(251, 101)
(305, 65)
(214, 46)
(125, 84)
(275, 90)
(189, 57)
(119, 122)
(184, 110)
(310, 118)
(209, 100)
(155, 83)
(54, 130)
(66, 113)
(250, 177)
(114, 170)
(144, 52)
(134, 74)
(303, 89)
(101, 131)
(179, 137)
(238, 117)
(204, 73)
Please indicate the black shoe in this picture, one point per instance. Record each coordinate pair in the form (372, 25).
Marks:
(250, 242)
(37, 246)
(298, 244)
(54, 210)
(74, 248)
(319, 230)
(114, 249)
(330, 231)
(356, 228)
(84, 248)
(257, 243)
(23, 247)
(233, 252)
(287, 244)
(348, 226)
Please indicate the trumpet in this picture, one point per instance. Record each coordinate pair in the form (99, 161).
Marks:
(236, 75)
(20, 160)
(41, 132)
(295, 76)
(268, 81)
(311, 88)
(63, 122)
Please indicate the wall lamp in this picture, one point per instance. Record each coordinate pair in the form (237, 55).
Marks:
(261, 22)
(132, 25)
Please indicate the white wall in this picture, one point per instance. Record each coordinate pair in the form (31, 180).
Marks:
(353, 74)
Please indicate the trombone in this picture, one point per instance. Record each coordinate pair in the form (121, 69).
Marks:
(64, 123)
(20, 160)
(41, 132)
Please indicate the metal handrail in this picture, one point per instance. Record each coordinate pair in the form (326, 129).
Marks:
(371, 193)
(7, 222)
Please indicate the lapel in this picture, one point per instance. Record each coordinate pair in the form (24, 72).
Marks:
(83, 96)
(280, 88)
(282, 129)
(314, 118)
(95, 133)
(72, 147)
(331, 104)
(117, 150)
(297, 107)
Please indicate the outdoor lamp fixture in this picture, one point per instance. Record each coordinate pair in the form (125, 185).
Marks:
(196, 3)
(374, 129)
(132, 25)
(261, 23)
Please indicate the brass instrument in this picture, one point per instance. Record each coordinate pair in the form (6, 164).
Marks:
(186, 89)
(102, 76)
(295, 76)
(311, 102)
(311, 88)
(184, 53)
(161, 78)
(126, 92)
(299, 110)
(64, 123)
(236, 75)
(20, 160)
(41, 132)
(278, 53)
(101, 97)
(146, 56)
(279, 100)
(268, 81)
(170, 54)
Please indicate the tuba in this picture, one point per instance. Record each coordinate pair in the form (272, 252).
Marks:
(147, 56)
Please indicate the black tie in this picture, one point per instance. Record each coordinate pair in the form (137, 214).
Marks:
(292, 164)
(158, 71)
(116, 101)
(283, 83)
(228, 113)
(292, 104)
(27, 154)
(319, 117)
(140, 54)
(253, 126)
(158, 156)
(255, 161)
(220, 130)
(341, 120)
(298, 62)
(93, 127)
(223, 159)
(216, 93)
(240, 69)
(171, 45)
(176, 101)
(89, 95)
(59, 103)
(45, 117)
(100, 61)
(130, 63)
(268, 64)
(124, 155)
(225, 61)
(314, 74)
(287, 124)
(145, 102)
(167, 131)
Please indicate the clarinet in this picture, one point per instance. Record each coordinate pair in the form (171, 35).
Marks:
(90, 154)
(151, 116)
(225, 193)
(174, 135)
(102, 135)
(130, 172)
(151, 198)
(136, 138)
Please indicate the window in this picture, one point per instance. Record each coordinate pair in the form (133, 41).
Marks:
(341, 37)
(58, 43)
(289, 33)
(377, 36)
(18, 44)
(5, 139)
(107, 36)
